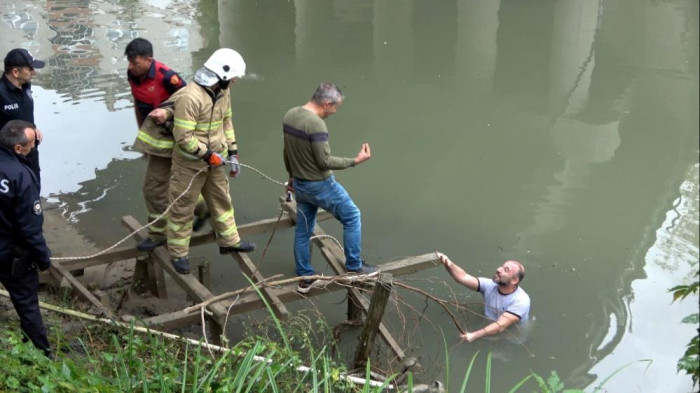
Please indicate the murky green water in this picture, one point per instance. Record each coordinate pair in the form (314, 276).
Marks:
(561, 133)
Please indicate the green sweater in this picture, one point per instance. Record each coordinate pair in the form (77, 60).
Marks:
(307, 154)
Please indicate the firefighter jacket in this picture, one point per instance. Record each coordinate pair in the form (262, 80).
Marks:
(21, 216)
(157, 139)
(202, 122)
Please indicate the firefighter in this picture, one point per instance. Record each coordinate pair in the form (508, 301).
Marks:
(152, 83)
(23, 248)
(204, 141)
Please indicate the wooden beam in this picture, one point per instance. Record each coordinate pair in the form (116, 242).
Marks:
(251, 270)
(128, 251)
(188, 282)
(57, 269)
(251, 301)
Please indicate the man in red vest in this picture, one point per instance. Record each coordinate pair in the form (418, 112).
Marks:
(152, 83)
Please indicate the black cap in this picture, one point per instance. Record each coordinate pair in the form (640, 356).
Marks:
(20, 57)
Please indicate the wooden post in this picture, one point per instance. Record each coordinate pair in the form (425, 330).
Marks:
(139, 282)
(354, 310)
(203, 266)
(377, 305)
(156, 279)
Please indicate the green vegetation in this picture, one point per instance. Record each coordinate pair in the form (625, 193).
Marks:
(690, 361)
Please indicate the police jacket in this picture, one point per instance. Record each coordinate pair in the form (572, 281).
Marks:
(202, 122)
(21, 216)
(15, 102)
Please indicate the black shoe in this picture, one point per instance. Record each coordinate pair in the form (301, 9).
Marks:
(238, 247)
(365, 269)
(199, 222)
(306, 285)
(149, 244)
(181, 265)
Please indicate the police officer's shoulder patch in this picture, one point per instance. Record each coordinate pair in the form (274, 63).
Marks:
(36, 207)
(174, 80)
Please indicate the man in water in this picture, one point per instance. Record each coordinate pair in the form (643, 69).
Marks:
(505, 302)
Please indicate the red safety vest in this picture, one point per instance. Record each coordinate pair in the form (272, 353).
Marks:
(158, 85)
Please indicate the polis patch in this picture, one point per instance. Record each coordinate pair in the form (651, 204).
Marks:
(36, 207)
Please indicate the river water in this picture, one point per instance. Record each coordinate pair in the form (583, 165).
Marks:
(560, 133)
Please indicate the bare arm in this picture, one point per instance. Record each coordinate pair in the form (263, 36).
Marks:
(504, 321)
(458, 273)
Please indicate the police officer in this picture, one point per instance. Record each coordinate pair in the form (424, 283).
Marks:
(23, 248)
(16, 100)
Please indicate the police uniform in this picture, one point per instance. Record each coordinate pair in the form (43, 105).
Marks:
(202, 123)
(17, 104)
(22, 245)
(158, 85)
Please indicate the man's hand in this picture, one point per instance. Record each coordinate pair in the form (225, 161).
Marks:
(39, 135)
(159, 115)
(289, 187)
(363, 155)
(445, 260)
(468, 337)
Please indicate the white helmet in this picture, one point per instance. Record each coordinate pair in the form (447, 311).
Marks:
(226, 63)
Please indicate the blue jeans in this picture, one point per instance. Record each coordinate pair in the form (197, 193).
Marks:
(332, 197)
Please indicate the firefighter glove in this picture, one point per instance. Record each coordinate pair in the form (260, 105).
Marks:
(214, 160)
(235, 166)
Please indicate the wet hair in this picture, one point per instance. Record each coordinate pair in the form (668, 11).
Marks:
(13, 134)
(327, 92)
(138, 47)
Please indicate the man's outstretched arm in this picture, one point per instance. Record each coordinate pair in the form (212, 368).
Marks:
(458, 273)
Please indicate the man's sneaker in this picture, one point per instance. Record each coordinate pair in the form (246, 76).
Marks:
(181, 265)
(365, 269)
(238, 247)
(306, 285)
(199, 222)
(149, 244)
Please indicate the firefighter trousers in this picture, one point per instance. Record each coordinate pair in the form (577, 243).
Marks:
(212, 183)
(155, 192)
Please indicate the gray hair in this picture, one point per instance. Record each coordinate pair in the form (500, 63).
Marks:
(327, 92)
(12, 134)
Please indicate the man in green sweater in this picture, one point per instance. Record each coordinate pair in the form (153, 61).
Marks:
(308, 159)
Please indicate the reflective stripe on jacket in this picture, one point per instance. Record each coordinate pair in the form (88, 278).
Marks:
(157, 139)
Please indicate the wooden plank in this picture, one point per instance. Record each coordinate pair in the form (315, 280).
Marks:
(251, 270)
(128, 251)
(57, 269)
(188, 282)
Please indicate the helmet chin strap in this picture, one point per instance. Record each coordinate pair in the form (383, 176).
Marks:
(222, 84)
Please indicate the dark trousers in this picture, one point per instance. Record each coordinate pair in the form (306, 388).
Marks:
(33, 158)
(24, 295)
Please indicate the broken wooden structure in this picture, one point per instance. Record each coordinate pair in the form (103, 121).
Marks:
(153, 266)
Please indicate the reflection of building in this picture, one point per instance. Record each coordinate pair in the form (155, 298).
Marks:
(84, 44)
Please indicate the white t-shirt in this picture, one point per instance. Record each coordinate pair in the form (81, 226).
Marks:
(495, 304)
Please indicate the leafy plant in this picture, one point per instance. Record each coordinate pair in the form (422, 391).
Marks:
(690, 361)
